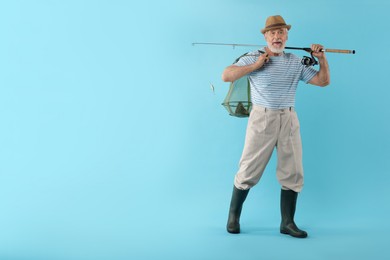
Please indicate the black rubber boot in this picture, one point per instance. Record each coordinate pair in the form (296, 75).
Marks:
(288, 201)
(238, 198)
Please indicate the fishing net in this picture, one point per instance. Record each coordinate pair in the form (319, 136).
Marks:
(238, 100)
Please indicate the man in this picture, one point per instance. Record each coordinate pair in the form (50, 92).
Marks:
(273, 122)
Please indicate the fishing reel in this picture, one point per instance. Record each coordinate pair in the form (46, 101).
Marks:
(309, 61)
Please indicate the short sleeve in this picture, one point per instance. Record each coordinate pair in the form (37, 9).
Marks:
(307, 73)
(247, 59)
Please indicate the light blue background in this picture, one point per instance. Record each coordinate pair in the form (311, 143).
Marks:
(113, 146)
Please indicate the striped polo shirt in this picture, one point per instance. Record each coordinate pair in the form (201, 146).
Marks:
(274, 85)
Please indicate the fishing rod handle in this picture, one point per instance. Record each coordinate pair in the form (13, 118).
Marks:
(340, 51)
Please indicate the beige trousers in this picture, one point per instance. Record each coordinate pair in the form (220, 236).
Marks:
(266, 130)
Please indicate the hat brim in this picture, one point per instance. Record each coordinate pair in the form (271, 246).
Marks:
(288, 26)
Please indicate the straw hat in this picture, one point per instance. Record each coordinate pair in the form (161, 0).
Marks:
(275, 22)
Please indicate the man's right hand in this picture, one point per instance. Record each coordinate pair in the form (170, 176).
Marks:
(264, 58)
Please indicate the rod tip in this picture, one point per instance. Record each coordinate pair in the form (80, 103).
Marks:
(353, 51)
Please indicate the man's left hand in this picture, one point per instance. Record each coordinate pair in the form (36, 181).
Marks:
(317, 50)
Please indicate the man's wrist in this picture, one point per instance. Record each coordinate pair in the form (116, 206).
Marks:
(322, 59)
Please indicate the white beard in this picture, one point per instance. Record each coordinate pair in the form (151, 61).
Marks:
(276, 50)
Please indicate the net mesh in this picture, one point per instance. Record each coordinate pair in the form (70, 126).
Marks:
(238, 100)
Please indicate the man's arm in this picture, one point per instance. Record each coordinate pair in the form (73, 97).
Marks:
(322, 78)
(234, 72)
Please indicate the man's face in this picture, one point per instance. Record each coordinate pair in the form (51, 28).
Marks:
(276, 39)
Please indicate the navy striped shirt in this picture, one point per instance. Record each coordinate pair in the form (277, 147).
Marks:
(274, 85)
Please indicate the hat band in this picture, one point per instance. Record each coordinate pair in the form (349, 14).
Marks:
(276, 25)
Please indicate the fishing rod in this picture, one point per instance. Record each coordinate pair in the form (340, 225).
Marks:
(289, 48)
